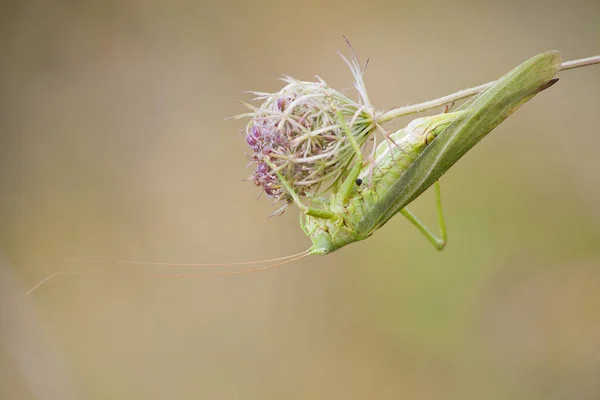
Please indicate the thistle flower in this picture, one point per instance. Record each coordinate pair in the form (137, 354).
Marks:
(302, 133)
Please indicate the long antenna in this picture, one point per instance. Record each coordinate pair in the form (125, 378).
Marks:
(287, 260)
(167, 264)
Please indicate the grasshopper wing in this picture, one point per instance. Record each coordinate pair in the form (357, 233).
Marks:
(483, 113)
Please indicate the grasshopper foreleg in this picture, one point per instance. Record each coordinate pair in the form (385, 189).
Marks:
(313, 212)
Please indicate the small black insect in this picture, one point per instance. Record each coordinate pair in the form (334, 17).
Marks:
(358, 181)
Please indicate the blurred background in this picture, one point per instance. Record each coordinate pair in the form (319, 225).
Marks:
(114, 144)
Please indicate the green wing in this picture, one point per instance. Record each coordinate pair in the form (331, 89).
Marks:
(484, 112)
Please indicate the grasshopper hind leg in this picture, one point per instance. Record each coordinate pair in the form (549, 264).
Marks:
(438, 242)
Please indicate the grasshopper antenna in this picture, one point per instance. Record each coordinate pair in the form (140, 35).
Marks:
(283, 260)
(169, 264)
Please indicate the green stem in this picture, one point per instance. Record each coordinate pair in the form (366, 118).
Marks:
(463, 94)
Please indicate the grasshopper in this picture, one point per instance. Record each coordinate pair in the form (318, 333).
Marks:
(425, 150)
(368, 193)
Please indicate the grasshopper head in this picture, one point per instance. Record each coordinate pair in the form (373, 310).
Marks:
(322, 243)
(329, 238)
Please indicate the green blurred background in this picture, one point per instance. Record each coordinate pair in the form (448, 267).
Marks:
(114, 144)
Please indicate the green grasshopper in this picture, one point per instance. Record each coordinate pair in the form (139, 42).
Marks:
(422, 153)
(364, 197)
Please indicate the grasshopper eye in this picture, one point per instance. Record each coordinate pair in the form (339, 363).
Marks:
(358, 181)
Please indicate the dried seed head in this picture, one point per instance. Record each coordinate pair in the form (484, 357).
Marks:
(301, 132)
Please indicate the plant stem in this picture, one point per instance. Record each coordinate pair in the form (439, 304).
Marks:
(463, 94)
(582, 62)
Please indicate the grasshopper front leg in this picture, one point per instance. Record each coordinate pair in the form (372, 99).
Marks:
(313, 212)
(346, 188)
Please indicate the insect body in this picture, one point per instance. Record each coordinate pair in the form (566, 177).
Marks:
(423, 152)
(352, 202)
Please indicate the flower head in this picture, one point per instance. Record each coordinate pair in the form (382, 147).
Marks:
(301, 133)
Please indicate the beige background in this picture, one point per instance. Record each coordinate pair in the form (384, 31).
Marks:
(114, 144)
